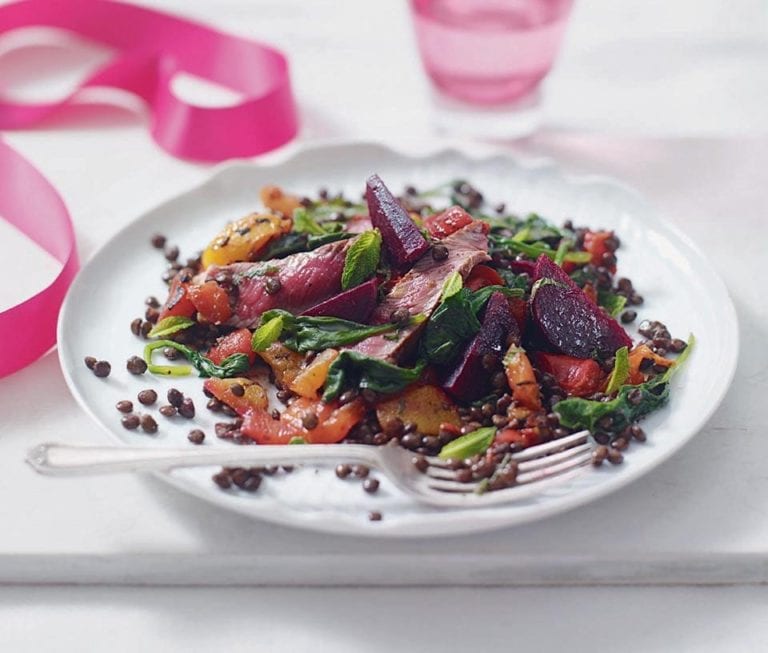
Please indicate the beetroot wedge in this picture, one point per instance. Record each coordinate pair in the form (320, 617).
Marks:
(401, 237)
(567, 322)
(471, 379)
(355, 304)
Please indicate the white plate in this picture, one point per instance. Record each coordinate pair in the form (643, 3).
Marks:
(679, 285)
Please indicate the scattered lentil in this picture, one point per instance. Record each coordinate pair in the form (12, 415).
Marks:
(147, 397)
(124, 406)
(136, 365)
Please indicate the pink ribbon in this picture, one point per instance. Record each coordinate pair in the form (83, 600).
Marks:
(32, 205)
(151, 48)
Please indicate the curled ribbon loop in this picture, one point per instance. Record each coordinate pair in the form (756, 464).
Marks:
(151, 48)
(32, 205)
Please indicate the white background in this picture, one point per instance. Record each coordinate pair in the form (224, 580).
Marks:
(672, 97)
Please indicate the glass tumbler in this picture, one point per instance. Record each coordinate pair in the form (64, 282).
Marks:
(486, 60)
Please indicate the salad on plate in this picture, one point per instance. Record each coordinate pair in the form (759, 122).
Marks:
(432, 320)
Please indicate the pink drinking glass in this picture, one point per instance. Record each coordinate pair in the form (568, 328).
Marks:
(486, 60)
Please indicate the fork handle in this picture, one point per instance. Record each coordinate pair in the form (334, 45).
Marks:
(65, 459)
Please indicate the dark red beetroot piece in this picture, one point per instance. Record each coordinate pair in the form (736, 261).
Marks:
(566, 321)
(472, 379)
(355, 304)
(401, 237)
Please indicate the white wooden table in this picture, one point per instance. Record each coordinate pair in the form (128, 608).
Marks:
(700, 519)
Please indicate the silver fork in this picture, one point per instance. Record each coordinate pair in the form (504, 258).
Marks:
(538, 467)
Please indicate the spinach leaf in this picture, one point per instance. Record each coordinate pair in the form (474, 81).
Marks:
(631, 404)
(303, 333)
(455, 321)
(611, 302)
(361, 259)
(234, 365)
(354, 370)
(293, 243)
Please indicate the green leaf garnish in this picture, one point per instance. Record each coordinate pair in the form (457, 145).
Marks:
(620, 371)
(469, 445)
(361, 259)
(267, 333)
(234, 365)
(455, 321)
(170, 325)
(354, 370)
(304, 333)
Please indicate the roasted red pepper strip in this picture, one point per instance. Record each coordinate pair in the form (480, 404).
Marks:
(594, 243)
(178, 302)
(444, 224)
(333, 422)
(211, 302)
(237, 342)
(579, 377)
(482, 276)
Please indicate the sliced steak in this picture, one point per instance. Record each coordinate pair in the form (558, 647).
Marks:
(294, 283)
(419, 290)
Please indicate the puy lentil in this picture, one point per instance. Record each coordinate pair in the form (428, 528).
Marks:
(309, 421)
(620, 444)
(147, 397)
(146, 327)
(374, 515)
(272, 286)
(167, 410)
(175, 397)
(347, 397)
(136, 326)
(148, 424)
(637, 433)
(222, 479)
(187, 408)
(400, 316)
(371, 485)
(360, 471)
(102, 369)
(439, 252)
(124, 406)
(130, 422)
(172, 253)
(90, 362)
(170, 353)
(158, 241)
(343, 470)
(196, 436)
(420, 463)
(599, 455)
(615, 457)
(628, 316)
(237, 390)
(136, 365)
(214, 405)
